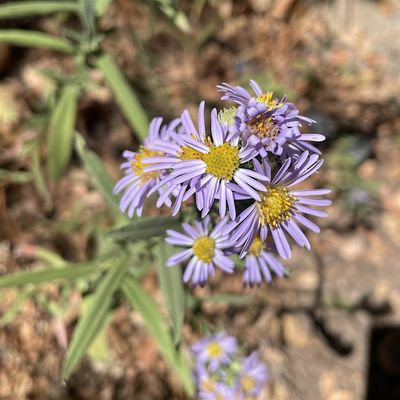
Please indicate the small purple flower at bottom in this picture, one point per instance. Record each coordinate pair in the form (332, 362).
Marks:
(206, 250)
(253, 376)
(219, 392)
(259, 263)
(215, 350)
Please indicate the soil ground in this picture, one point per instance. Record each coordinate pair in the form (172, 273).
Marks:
(339, 61)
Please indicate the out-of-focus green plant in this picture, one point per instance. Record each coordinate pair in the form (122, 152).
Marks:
(123, 256)
(171, 11)
(124, 253)
(85, 48)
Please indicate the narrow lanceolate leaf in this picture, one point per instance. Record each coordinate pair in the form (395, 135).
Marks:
(27, 38)
(97, 172)
(88, 16)
(176, 16)
(14, 176)
(47, 275)
(144, 228)
(38, 175)
(61, 132)
(99, 349)
(172, 288)
(31, 8)
(93, 320)
(157, 327)
(125, 96)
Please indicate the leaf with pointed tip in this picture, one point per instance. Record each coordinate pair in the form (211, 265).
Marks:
(125, 96)
(171, 288)
(23, 9)
(27, 38)
(48, 275)
(93, 320)
(61, 132)
(97, 172)
(144, 228)
(157, 327)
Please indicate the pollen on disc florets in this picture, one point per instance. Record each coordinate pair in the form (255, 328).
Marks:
(268, 99)
(276, 206)
(263, 127)
(137, 164)
(190, 154)
(203, 248)
(222, 161)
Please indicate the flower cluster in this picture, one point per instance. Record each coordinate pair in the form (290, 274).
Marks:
(241, 172)
(221, 372)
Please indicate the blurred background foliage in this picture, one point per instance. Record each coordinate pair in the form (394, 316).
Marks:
(80, 81)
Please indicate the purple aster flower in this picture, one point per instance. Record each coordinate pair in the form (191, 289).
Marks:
(253, 376)
(205, 382)
(215, 351)
(221, 391)
(281, 209)
(267, 124)
(137, 183)
(204, 165)
(205, 250)
(259, 263)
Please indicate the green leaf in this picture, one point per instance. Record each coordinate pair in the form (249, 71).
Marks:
(144, 228)
(93, 320)
(99, 350)
(172, 288)
(61, 131)
(52, 259)
(38, 176)
(43, 276)
(88, 16)
(97, 172)
(30, 8)
(14, 176)
(27, 38)
(176, 16)
(157, 327)
(125, 96)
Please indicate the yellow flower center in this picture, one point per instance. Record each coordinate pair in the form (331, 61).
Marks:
(275, 206)
(263, 127)
(256, 247)
(203, 248)
(214, 350)
(190, 154)
(248, 383)
(268, 99)
(208, 385)
(137, 164)
(222, 161)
